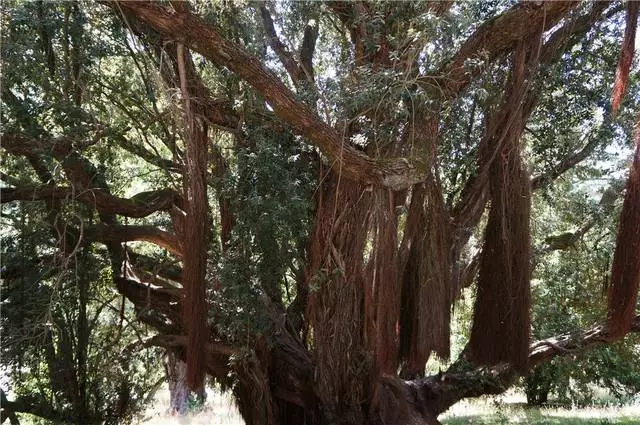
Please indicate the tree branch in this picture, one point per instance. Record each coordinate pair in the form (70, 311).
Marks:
(126, 233)
(33, 405)
(568, 162)
(140, 205)
(196, 34)
(492, 39)
(149, 298)
(307, 49)
(217, 355)
(167, 271)
(462, 380)
(292, 66)
(439, 7)
(469, 209)
(151, 158)
(6, 412)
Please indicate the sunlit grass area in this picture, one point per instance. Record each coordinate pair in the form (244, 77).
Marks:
(513, 410)
(219, 409)
(509, 409)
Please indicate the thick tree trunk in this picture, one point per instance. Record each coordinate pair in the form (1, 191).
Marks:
(176, 375)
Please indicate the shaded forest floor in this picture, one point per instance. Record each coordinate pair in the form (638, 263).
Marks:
(511, 409)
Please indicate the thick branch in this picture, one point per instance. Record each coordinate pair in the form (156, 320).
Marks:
(79, 170)
(140, 205)
(201, 37)
(573, 342)
(7, 413)
(158, 307)
(307, 48)
(217, 355)
(573, 30)
(492, 39)
(126, 233)
(439, 392)
(88, 187)
(567, 239)
(32, 405)
(439, 7)
(469, 209)
(167, 271)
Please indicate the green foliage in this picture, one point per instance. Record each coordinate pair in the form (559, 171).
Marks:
(63, 348)
(273, 182)
(570, 292)
(70, 349)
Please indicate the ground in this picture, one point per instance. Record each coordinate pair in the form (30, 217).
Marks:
(512, 410)
(507, 409)
(219, 409)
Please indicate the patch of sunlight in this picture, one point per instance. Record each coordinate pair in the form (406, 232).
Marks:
(219, 409)
(593, 412)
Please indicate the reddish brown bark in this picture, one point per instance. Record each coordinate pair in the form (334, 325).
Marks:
(195, 33)
(500, 331)
(625, 271)
(124, 233)
(382, 283)
(196, 229)
(301, 73)
(140, 205)
(343, 366)
(626, 56)
(496, 37)
(341, 320)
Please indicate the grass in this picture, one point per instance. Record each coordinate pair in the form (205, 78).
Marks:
(502, 410)
(219, 410)
(511, 410)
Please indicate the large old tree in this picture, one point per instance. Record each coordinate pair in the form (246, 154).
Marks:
(319, 182)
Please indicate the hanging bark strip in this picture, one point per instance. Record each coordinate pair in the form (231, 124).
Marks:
(424, 259)
(195, 233)
(500, 331)
(426, 294)
(626, 55)
(382, 283)
(625, 272)
(335, 306)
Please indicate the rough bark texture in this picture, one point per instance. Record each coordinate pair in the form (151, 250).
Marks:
(336, 309)
(426, 290)
(626, 56)
(500, 331)
(394, 173)
(196, 232)
(625, 271)
(176, 376)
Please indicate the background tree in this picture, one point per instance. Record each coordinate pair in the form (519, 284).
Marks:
(70, 343)
(320, 182)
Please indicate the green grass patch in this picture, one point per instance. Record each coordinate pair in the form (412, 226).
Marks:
(486, 413)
